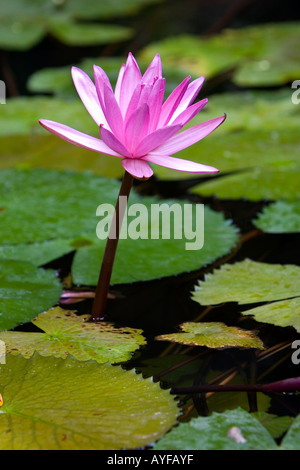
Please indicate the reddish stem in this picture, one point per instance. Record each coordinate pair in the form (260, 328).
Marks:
(110, 251)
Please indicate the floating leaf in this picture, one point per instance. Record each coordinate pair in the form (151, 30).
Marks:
(146, 258)
(67, 333)
(292, 438)
(276, 425)
(261, 55)
(25, 291)
(65, 404)
(213, 335)
(280, 217)
(211, 433)
(249, 282)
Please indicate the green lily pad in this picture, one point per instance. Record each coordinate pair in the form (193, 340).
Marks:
(146, 258)
(280, 217)
(292, 437)
(261, 55)
(249, 282)
(65, 404)
(213, 335)
(25, 291)
(67, 333)
(24, 23)
(67, 208)
(276, 425)
(211, 433)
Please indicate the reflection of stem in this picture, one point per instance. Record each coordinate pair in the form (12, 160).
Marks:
(110, 251)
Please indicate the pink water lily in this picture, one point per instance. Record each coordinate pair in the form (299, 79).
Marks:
(135, 123)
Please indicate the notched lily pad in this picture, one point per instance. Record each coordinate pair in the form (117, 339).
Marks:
(67, 333)
(248, 282)
(65, 404)
(280, 217)
(213, 335)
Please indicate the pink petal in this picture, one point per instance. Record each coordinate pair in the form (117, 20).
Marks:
(154, 70)
(112, 112)
(189, 136)
(119, 83)
(137, 127)
(189, 96)
(155, 139)
(189, 113)
(77, 138)
(131, 78)
(137, 168)
(172, 102)
(101, 79)
(155, 102)
(179, 164)
(88, 94)
(112, 142)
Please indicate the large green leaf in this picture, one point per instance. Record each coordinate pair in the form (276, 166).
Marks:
(280, 217)
(248, 282)
(25, 291)
(256, 55)
(148, 258)
(65, 404)
(67, 333)
(232, 430)
(213, 335)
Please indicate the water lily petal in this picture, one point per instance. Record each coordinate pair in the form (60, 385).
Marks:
(112, 113)
(101, 79)
(137, 127)
(131, 78)
(119, 83)
(87, 91)
(155, 139)
(189, 96)
(113, 142)
(78, 138)
(189, 113)
(179, 164)
(189, 136)
(155, 102)
(172, 102)
(138, 168)
(154, 70)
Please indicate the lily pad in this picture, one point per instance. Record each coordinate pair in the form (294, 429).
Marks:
(65, 404)
(211, 433)
(146, 258)
(248, 282)
(280, 217)
(25, 291)
(67, 333)
(213, 335)
(260, 55)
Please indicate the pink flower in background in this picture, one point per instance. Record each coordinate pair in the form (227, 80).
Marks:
(135, 123)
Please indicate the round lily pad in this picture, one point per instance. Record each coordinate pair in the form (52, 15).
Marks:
(25, 291)
(280, 217)
(65, 404)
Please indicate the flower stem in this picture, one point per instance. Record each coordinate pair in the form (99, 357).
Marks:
(110, 251)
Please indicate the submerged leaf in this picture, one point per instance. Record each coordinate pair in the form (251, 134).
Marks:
(213, 335)
(65, 404)
(25, 291)
(67, 333)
